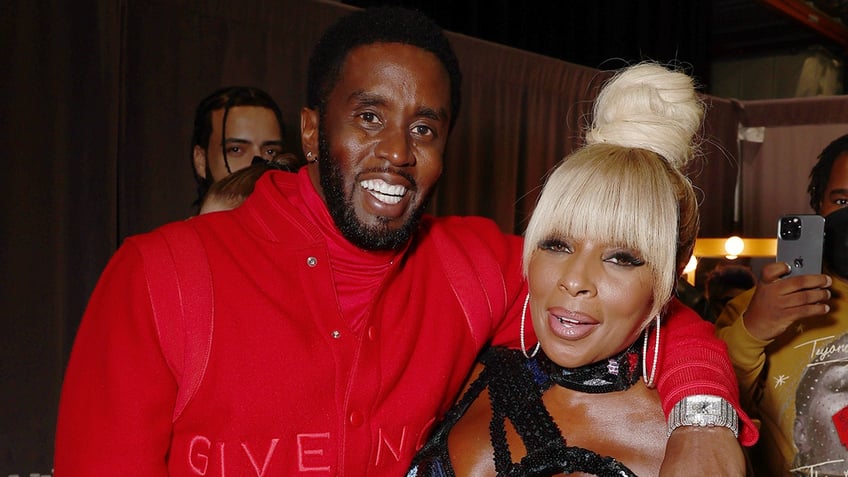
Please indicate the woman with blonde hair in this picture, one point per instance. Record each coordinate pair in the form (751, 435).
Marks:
(612, 230)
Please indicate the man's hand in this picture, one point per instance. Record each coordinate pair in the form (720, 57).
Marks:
(779, 302)
(712, 451)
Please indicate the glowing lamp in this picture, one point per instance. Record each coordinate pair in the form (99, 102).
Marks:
(734, 247)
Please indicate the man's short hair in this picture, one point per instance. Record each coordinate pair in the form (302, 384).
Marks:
(377, 25)
(821, 171)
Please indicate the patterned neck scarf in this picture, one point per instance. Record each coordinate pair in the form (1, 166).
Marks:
(615, 373)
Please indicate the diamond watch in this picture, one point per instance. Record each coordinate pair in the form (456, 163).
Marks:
(703, 410)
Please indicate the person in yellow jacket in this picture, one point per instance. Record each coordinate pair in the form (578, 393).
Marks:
(788, 329)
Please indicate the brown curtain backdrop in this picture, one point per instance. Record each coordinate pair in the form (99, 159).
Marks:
(97, 104)
(59, 126)
(521, 114)
(714, 174)
(176, 52)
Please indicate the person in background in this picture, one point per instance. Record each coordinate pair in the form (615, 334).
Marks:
(343, 319)
(724, 283)
(229, 192)
(780, 328)
(599, 289)
(232, 126)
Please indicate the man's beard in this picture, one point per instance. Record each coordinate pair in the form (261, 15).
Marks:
(343, 212)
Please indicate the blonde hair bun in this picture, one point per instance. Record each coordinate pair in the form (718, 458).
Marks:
(649, 106)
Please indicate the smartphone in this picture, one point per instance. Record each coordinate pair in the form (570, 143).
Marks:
(800, 242)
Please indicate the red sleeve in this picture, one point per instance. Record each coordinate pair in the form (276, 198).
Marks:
(505, 328)
(118, 393)
(694, 361)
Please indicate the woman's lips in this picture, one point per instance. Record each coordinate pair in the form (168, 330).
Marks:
(570, 326)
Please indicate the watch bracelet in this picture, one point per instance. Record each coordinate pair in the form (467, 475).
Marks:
(727, 416)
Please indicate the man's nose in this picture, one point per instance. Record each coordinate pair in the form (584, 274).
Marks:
(394, 146)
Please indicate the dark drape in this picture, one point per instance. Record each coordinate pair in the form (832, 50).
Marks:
(97, 100)
(521, 114)
(176, 52)
(59, 127)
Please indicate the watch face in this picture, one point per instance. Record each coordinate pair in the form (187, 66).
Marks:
(704, 411)
(703, 406)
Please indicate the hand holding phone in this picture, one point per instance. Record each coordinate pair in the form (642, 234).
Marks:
(800, 241)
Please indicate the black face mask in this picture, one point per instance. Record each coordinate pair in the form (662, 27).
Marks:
(836, 242)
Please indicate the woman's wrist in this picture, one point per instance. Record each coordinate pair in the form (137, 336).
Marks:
(703, 410)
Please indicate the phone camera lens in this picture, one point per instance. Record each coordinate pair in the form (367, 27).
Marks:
(790, 228)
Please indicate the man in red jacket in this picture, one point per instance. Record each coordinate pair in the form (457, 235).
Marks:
(329, 322)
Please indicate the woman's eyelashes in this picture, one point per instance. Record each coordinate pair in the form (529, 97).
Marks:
(555, 245)
(615, 255)
(625, 258)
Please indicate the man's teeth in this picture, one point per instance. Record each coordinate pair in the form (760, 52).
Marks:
(385, 192)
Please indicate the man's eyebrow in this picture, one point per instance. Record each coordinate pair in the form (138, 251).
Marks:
(430, 113)
(238, 140)
(367, 99)
(363, 98)
(833, 192)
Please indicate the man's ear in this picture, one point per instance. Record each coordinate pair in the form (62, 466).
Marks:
(199, 159)
(309, 119)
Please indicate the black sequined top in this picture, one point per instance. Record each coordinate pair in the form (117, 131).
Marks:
(516, 385)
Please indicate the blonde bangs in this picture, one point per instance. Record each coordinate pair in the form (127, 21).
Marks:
(615, 195)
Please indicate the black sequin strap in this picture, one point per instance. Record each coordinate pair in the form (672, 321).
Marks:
(615, 373)
(516, 386)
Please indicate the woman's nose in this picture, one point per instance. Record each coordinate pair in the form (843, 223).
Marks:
(576, 279)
